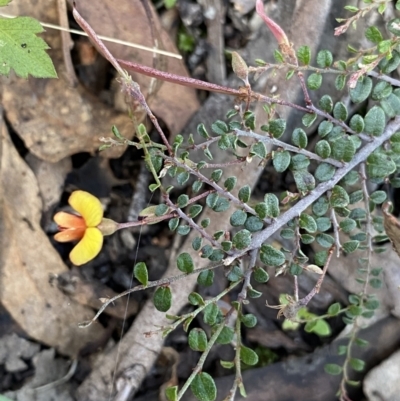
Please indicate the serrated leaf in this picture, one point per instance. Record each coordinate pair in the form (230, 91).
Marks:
(162, 298)
(22, 50)
(141, 273)
(220, 128)
(203, 387)
(373, 34)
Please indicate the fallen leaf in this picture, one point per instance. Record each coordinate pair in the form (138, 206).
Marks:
(27, 259)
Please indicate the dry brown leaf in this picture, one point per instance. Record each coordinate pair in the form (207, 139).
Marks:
(392, 227)
(27, 259)
(174, 104)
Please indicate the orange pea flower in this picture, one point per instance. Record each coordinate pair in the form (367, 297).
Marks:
(89, 228)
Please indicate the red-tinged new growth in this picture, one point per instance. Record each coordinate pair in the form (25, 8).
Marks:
(284, 45)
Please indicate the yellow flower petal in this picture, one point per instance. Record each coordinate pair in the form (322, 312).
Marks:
(88, 247)
(88, 206)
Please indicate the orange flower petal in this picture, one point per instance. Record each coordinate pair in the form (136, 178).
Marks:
(88, 247)
(68, 220)
(71, 234)
(88, 206)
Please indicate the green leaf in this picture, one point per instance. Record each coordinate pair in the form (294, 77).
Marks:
(162, 298)
(357, 123)
(258, 149)
(314, 81)
(379, 165)
(324, 172)
(281, 161)
(182, 201)
(195, 299)
(304, 180)
(375, 121)
(141, 274)
(221, 205)
(319, 327)
(334, 309)
(216, 175)
(242, 239)
(196, 243)
(324, 128)
(308, 119)
(307, 222)
(248, 356)
(205, 278)
(347, 225)
(220, 128)
(323, 149)
(323, 224)
(350, 246)
(321, 206)
(171, 393)
(340, 82)
(182, 178)
(389, 65)
(173, 224)
(378, 197)
(373, 34)
(382, 90)
(22, 50)
(195, 210)
(340, 111)
(238, 218)
(391, 105)
(304, 55)
(244, 193)
(210, 314)
(357, 364)
(272, 205)
(227, 364)
(278, 56)
(324, 58)
(375, 283)
(343, 149)
(326, 103)
(249, 320)
(394, 27)
(197, 339)
(339, 197)
(203, 387)
(183, 230)
(333, 369)
(254, 224)
(184, 263)
(226, 336)
(299, 162)
(325, 240)
(299, 138)
(271, 256)
(202, 131)
(320, 258)
(277, 127)
(362, 90)
(260, 275)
